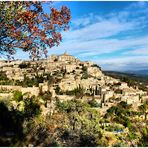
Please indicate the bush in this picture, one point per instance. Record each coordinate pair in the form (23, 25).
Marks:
(30, 82)
(103, 142)
(114, 128)
(88, 140)
(18, 96)
(72, 105)
(32, 108)
(24, 65)
(3, 76)
(94, 103)
(11, 125)
(78, 92)
(143, 141)
(85, 75)
(58, 91)
(79, 126)
(84, 68)
(120, 114)
(95, 65)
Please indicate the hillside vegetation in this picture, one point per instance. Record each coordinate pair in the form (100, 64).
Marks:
(131, 79)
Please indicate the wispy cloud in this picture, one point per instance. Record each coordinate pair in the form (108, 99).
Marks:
(124, 63)
(119, 36)
(81, 21)
(101, 29)
(121, 32)
(99, 46)
(139, 51)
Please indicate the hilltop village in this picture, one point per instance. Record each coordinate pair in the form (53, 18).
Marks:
(66, 77)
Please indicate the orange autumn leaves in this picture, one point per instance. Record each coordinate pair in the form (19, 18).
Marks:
(32, 30)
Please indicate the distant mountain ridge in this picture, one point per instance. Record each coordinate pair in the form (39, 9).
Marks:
(138, 77)
(137, 72)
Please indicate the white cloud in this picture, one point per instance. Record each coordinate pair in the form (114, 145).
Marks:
(139, 4)
(101, 29)
(99, 46)
(95, 39)
(139, 51)
(81, 21)
(124, 63)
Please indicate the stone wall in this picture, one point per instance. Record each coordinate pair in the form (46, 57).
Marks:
(65, 97)
(30, 90)
(108, 94)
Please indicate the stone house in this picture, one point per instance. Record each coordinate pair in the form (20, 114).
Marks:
(94, 71)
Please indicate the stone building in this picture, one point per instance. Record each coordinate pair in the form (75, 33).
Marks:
(52, 58)
(67, 57)
(62, 58)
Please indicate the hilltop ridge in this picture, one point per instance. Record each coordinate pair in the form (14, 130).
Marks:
(63, 75)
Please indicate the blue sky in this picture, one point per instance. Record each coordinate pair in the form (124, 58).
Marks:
(112, 34)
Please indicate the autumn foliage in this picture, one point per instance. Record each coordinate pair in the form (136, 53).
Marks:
(25, 25)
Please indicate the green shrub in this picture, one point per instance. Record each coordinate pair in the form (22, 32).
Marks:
(32, 108)
(143, 142)
(24, 65)
(94, 103)
(84, 68)
(17, 95)
(58, 91)
(95, 65)
(78, 92)
(3, 76)
(85, 75)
